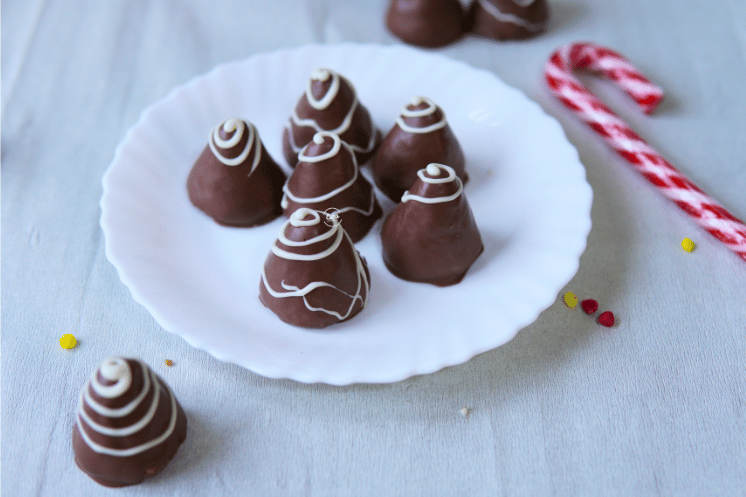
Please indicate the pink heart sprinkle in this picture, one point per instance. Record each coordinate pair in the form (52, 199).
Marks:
(606, 319)
(589, 306)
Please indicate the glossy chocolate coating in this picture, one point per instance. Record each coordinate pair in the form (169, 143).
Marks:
(128, 469)
(507, 19)
(236, 195)
(431, 242)
(316, 283)
(332, 183)
(404, 152)
(425, 23)
(330, 101)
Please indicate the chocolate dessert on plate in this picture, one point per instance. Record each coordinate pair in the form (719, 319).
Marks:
(420, 136)
(234, 180)
(314, 276)
(327, 178)
(330, 104)
(431, 236)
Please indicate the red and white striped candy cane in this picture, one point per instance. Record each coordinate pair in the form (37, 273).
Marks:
(708, 213)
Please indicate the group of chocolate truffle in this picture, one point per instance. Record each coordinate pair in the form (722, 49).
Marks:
(434, 23)
(314, 276)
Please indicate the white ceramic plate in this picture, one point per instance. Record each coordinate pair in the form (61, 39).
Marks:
(199, 280)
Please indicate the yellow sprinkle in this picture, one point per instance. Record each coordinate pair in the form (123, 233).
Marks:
(687, 244)
(169, 362)
(570, 300)
(67, 341)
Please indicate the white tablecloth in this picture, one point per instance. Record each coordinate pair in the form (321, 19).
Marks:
(654, 406)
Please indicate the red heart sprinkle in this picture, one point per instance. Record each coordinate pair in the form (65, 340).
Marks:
(589, 306)
(606, 319)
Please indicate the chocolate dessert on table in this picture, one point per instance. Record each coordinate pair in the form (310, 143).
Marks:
(330, 104)
(128, 424)
(327, 178)
(314, 276)
(421, 136)
(507, 19)
(426, 23)
(431, 236)
(234, 180)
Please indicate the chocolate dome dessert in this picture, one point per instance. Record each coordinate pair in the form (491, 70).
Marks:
(421, 136)
(431, 236)
(426, 23)
(234, 180)
(507, 19)
(330, 104)
(128, 424)
(313, 276)
(327, 177)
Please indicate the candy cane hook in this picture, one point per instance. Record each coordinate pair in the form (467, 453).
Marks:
(708, 213)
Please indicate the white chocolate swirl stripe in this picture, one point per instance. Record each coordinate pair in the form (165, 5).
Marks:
(357, 148)
(434, 170)
(318, 139)
(427, 111)
(217, 144)
(297, 219)
(149, 378)
(511, 18)
(118, 412)
(344, 125)
(116, 370)
(322, 74)
(310, 257)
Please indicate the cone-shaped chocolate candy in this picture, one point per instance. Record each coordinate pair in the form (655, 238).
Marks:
(327, 178)
(431, 236)
(421, 136)
(128, 424)
(235, 181)
(507, 19)
(330, 104)
(426, 23)
(313, 276)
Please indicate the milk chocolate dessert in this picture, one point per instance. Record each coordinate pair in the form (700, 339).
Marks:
(431, 236)
(330, 104)
(426, 23)
(327, 178)
(234, 180)
(421, 136)
(313, 276)
(507, 19)
(128, 424)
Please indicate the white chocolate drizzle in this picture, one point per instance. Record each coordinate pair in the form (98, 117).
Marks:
(322, 74)
(427, 111)
(435, 170)
(323, 103)
(318, 139)
(299, 219)
(217, 144)
(501, 16)
(117, 369)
